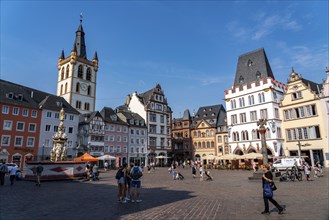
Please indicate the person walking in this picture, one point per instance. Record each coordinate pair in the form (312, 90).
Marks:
(3, 171)
(136, 173)
(128, 182)
(39, 173)
(201, 173)
(268, 179)
(121, 177)
(193, 171)
(106, 165)
(307, 171)
(12, 175)
(95, 172)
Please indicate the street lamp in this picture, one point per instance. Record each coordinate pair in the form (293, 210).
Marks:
(43, 149)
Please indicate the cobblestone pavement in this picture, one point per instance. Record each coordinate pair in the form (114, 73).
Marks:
(230, 196)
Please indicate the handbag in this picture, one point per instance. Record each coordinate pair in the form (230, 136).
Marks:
(268, 193)
(273, 186)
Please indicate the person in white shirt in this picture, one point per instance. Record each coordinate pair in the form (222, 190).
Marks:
(12, 175)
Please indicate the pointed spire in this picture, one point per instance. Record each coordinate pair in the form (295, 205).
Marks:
(62, 56)
(74, 48)
(95, 56)
(292, 70)
(79, 43)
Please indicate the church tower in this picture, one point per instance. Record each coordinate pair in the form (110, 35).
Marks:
(77, 75)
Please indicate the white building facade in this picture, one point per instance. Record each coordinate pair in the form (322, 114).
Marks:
(49, 126)
(255, 95)
(152, 106)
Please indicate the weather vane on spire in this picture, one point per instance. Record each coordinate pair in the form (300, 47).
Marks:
(81, 17)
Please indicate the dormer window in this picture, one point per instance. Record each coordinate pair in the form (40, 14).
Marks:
(249, 63)
(258, 75)
(20, 97)
(10, 95)
(241, 79)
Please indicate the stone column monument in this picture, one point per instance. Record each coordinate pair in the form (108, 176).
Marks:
(59, 151)
(262, 130)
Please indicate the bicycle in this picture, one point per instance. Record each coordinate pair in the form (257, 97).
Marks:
(287, 176)
(296, 174)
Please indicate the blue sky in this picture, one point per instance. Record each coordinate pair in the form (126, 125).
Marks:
(190, 47)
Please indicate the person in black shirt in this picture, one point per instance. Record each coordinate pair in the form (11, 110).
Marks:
(268, 177)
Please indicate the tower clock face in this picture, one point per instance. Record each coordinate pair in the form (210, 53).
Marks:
(84, 86)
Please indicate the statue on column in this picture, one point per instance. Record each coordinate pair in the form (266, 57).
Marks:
(59, 151)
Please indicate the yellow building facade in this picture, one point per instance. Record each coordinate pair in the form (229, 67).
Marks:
(204, 139)
(303, 120)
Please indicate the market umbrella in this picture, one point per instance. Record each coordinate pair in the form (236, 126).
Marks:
(209, 157)
(86, 157)
(106, 157)
(252, 155)
(161, 157)
(230, 157)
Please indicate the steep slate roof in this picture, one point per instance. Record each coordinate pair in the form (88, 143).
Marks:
(87, 117)
(33, 98)
(79, 43)
(128, 115)
(146, 96)
(207, 113)
(250, 65)
(315, 87)
(108, 113)
(186, 115)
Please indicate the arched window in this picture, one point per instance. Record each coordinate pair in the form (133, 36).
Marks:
(61, 90)
(203, 144)
(233, 104)
(208, 144)
(199, 144)
(77, 87)
(194, 134)
(268, 133)
(87, 106)
(88, 76)
(65, 88)
(80, 71)
(78, 104)
(212, 133)
(89, 90)
(255, 134)
(62, 73)
(246, 135)
(199, 133)
(212, 144)
(207, 133)
(259, 98)
(67, 71)
(237, 136)
(252, 99)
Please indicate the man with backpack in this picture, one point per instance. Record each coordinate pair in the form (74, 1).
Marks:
(136, 173)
